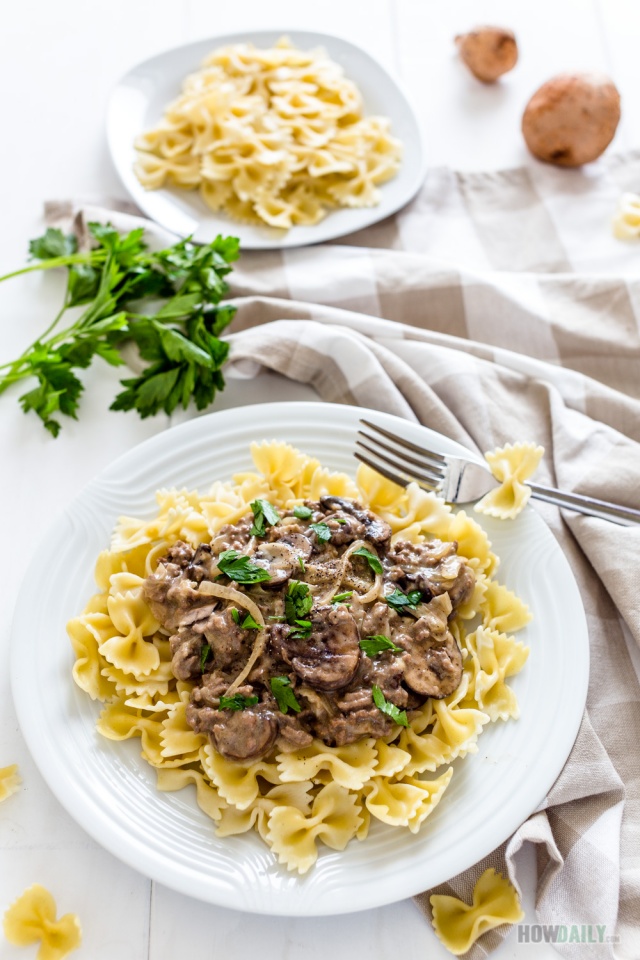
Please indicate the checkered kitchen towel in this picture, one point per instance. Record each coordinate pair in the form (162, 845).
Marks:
(499, 307)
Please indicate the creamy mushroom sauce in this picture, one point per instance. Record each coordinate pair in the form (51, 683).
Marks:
(279, 661)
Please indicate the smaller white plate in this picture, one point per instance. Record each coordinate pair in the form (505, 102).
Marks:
(141, 96)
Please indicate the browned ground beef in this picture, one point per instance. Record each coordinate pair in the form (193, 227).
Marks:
(330, 676)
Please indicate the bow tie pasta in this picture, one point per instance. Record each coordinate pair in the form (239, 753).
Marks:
(299, 794)
(270, 136)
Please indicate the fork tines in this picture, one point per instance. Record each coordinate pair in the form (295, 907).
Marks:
(428, 469)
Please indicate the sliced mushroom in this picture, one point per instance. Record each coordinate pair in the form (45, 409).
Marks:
(279, 559)
(328, 658)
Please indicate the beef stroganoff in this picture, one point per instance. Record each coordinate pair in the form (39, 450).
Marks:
(309, 651)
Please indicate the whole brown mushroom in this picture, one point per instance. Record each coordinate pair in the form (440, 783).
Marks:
(572, 118)
(488, 52)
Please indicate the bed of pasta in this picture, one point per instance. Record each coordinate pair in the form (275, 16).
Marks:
(319, 793)
(273, 136)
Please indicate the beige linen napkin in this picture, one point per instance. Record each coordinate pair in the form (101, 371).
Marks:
(491, 335)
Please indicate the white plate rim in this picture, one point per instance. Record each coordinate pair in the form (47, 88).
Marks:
(113, 835)
(256, 238)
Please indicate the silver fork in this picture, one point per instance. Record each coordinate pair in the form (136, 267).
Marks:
(464, 479)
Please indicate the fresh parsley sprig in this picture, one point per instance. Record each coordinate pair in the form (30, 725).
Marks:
(285, 697)
(247, 624)
(400, 601)
(264, 515)
(371, 558)
(385, 706)
(204, 656)
(165, 302)
(237, 702)
(297, 601)
(378, 643)
(322, 531)
(302, 512)
(238, 567)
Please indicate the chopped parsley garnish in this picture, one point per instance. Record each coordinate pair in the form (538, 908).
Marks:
(276, 618)
(340, 520)
(264, 515)
(321, 531)
(281, 689)
(237, 702)
(204, 655)
(397, 715)
(399, 601)
(297, 601)
(371, 559)
(377, 644)
(339, 597)
(301, 564)
(301, 631)
(302, 512)
(238, 567)
(247, 624)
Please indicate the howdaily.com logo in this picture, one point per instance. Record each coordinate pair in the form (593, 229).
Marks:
(564, 933)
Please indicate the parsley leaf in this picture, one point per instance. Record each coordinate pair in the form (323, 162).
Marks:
(249, 623)
(264, 515)
(301, 631)
(204, 654)
(322, 531)
(285, 697)
(397, 715)
(237, 702)
(339, 597)
(399, 601)
(377, 644)
(53, 244)
(301, 564)
(297, 601)
(371, 559)
(238, 567)
(302, 512)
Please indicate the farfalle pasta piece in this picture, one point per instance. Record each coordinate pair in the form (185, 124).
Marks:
(495, 656)
(626, 222)
(208, 798)
(9, 781)
(502, 610)
(117, 722)
(86, 633)
(350, 766)
(32, 917)
(334, 820)
(381, 494)
(458, 925)
(473, 543)
(129, 649)
(511, 465)
(392, 759)
(237, 782)
(235, 821)
(178, 739)
(406, 802)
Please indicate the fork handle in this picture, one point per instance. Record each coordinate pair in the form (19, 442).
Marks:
(625, 516)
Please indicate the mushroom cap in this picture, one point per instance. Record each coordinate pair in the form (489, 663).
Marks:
(572, 118)
(488, 52)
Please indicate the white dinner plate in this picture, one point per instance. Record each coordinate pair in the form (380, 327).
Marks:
(110, 790)
(141, 96)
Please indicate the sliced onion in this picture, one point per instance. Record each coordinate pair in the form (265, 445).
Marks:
(228, 593)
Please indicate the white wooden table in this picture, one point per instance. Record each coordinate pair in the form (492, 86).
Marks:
(58, 63)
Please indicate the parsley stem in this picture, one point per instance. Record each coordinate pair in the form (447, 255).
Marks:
(93, 257)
